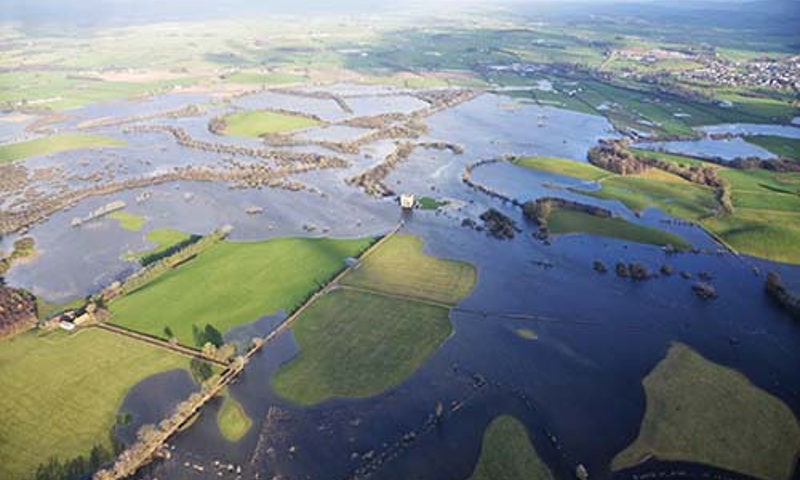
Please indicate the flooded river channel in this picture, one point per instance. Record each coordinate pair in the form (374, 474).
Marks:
(577, 387)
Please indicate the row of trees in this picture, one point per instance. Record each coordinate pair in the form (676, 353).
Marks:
(79, 467)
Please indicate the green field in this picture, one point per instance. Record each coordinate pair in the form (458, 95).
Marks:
(234, 283)
(765, 223)
(60, 90)
(780, 146)
(255, 123)
(702, 412)
(233, 421)
(55, 143)
(766, 220)
(400, 267)
(566, 221)
(378, 328)
(507, 453)
(128, 221)
(569, 168)
(62, 393)
(638, 192)
(358, 344)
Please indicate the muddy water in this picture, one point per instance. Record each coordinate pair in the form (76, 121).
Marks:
(577, 388)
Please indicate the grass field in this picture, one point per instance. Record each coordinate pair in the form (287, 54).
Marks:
(358, 344)
(128, 221)
(565, 221)
(259, 122)
(54, 144)
(234, 283)
(360, 341)
(400, 267)
(570, 168)
(508, 454)
(702, 412)
(233, 421)
(638, 192)
(62, 393)
(780, 146)
(766, 220)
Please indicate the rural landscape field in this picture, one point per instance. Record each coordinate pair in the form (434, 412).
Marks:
(443, 240)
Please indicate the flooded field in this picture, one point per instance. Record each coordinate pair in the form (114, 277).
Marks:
(577, 386)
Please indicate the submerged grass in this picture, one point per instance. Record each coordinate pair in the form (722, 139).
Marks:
(128, 221)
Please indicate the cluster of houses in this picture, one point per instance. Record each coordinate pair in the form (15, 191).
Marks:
(768, 73)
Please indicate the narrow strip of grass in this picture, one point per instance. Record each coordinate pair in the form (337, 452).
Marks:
(62, 393)
(560, 166)
(702, 412)
(54, 144)
(508, 454)
(566, 221)
(780, 146)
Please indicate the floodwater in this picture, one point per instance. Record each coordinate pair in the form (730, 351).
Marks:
(577, 388)
(724, 149)
(727, 148)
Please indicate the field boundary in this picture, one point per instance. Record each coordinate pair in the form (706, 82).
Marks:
(146, 448)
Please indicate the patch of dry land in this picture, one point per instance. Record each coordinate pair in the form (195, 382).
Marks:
(699, 411)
